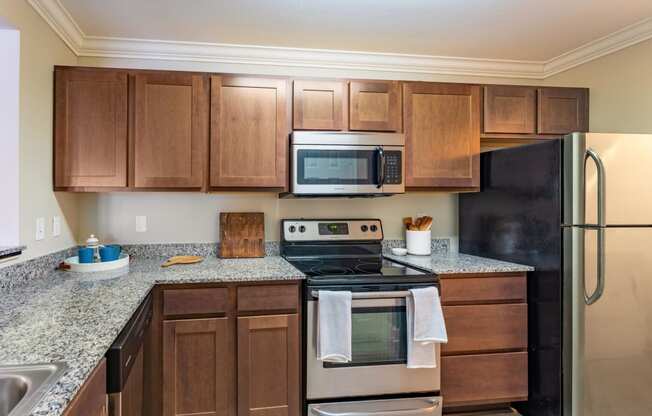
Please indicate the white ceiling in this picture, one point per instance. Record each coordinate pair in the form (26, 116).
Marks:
(530, 30)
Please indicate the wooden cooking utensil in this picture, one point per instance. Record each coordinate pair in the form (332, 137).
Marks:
(182, 260)
(426, 223)
(242, 234)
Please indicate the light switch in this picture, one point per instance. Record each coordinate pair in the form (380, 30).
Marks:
(40, 228)
(56, 226)
(141, 223)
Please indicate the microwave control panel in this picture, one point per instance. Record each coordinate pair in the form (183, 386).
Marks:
(393, 168)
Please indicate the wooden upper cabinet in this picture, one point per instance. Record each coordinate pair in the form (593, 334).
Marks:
(198, 368)
(563, 110)
(509, 109)
(170, 130)
(442, 135)
(319, 105)
(375, 105)
(249, 132)
(91, 400)
(269, 357)
(90, 128)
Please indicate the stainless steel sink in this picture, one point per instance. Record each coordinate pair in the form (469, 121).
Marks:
(22, 386)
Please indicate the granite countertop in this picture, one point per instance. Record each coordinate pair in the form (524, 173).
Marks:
(75, 317)
(454, 263)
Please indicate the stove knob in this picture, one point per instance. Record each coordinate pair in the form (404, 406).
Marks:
(292, 228)
(373, 228)
(364, 228)
(302, 228)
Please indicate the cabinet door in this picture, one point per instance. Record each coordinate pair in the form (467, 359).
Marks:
(509, 109)
(319, 105)
(249, 132)
(563, 110)
(91, 400)
(442, 135)
(198, 369)
(375, 105)
(268, 366)
(90, 128)
(171, 130)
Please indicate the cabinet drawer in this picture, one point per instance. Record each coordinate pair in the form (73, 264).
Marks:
(268, 298)
(487, 378)
(485, 328)
(195, 301)
(483, 289)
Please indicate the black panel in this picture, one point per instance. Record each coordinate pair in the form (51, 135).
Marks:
(517, 217)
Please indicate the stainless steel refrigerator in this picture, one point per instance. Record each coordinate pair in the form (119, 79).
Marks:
(580, 211)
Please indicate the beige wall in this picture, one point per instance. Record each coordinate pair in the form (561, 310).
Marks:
(40, 49)
(621, 89)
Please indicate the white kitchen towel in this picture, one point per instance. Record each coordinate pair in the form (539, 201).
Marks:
(334, 326)
(423, 353)
(429, 325)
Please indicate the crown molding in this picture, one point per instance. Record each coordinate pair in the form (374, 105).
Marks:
(614, 42)
(83, 45)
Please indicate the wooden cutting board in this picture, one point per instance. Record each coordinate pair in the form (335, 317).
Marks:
(242, 234)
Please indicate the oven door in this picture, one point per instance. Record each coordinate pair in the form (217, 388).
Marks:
(347, 170)
(379, 353)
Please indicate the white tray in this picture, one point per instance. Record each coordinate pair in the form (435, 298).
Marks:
(76, 266)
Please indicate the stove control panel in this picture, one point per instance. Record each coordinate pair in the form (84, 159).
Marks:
(332, 230)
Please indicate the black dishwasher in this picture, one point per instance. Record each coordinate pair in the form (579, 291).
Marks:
(124, 362)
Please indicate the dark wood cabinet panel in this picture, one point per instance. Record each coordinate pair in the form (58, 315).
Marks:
(563, 110)
(170, 130)
(509, 109)
(204, 301)
(484, 378)
(268, 366)
(319, 105)
(90, 128)
(198, 367)
(268, 298)
(485, 328)
(475, 289)
(91, 400)
(442, 135)
(375, 105)
(249, 132)
(131, 400)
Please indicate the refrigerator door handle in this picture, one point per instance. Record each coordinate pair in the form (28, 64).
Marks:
(599, 290)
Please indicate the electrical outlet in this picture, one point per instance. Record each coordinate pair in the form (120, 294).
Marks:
(141, 224)
(40, 228)
(56, 226)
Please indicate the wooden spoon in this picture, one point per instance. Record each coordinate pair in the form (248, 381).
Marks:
(182, 260)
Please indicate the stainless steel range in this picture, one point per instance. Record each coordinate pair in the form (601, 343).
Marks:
(347, 255)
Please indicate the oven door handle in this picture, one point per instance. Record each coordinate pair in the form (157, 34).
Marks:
(372, 295)
(420, 411)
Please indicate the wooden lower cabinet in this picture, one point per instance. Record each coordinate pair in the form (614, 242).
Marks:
(268, 366)
(485, 361)
(91, 400)
(484, 378)
(197, 367)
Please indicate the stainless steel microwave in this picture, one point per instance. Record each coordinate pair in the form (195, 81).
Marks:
(347, 163)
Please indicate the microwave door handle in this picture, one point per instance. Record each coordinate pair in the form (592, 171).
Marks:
(380, 162)
(432, 408)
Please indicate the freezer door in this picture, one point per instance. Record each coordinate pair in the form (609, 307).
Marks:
(625, 163)
(608, 344)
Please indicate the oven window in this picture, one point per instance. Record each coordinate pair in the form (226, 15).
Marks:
(378, 337)
(336, 167)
